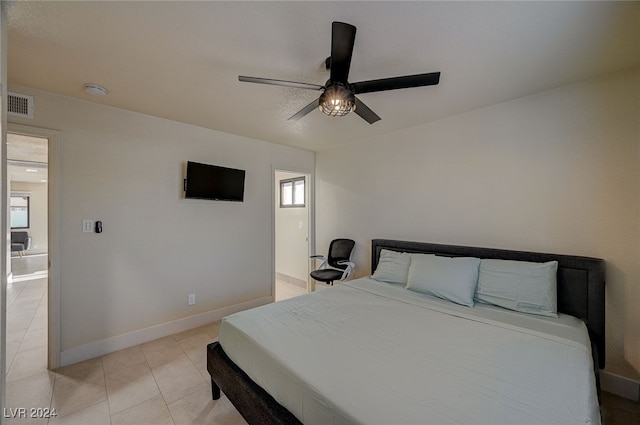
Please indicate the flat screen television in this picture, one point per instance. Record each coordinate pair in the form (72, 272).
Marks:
(213, 182)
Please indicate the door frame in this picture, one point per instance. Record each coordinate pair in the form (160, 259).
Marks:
(53, 228)
(310, 187)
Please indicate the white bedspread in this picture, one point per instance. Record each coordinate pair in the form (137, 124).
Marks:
(367, 352)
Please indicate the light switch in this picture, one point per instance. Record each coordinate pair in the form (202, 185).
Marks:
(87, 226)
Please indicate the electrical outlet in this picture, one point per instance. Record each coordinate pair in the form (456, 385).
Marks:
(192, 299)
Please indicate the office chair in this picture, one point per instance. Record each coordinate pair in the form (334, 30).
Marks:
(337, 265)
(20, 242)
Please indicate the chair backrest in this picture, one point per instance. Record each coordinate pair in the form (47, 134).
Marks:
(340, 250)
(19, 237)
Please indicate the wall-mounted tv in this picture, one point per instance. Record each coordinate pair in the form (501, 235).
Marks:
(213, 182)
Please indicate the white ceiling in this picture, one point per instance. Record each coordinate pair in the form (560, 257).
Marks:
(181, 59)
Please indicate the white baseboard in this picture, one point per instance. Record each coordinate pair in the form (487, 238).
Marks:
(115, 343)
(620, 386)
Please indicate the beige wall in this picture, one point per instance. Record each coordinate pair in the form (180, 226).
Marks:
(37, 214)
(556, 172)
(126, 169)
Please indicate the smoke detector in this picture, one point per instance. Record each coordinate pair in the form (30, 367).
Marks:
(95, 89)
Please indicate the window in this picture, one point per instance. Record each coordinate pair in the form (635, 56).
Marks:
(19, 210)
(292, 193)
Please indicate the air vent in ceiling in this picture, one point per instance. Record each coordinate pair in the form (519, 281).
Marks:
(20, 105)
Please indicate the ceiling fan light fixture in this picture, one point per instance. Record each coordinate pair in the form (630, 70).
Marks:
(337, 101)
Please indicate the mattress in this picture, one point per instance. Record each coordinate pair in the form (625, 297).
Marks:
(367, 352)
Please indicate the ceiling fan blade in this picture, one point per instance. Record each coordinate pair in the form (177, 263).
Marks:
(342, 38)
(367, 114)
(304, 111)
(395, 83)
(279, 83)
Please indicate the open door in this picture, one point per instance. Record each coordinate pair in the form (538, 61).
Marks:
(292, 217)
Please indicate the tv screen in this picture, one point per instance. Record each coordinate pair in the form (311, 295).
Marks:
(206, 181)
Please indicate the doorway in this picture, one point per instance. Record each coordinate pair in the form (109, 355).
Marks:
(27, 282)
(51, 324)
(27, 164)
(292, 206)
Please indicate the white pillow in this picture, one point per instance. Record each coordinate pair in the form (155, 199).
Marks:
(393, 267)
(453, 279)
(519, 285)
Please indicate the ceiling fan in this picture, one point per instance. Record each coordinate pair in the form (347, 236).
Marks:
(338, 95)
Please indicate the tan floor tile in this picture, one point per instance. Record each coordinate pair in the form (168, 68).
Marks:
(40, 321)
(24, 306)
(197, 340)
(120, 383)
(198, 356)
(161, 351)
(213, 329)
(178, 378)
(12, 350)
(98, 414)
(35, 339)
(31, 392)
(19, 320)
(27, 363)
(129, 387)
(12, 295)
(198, 408)
(23, 418)
(182, 335)
(28, 301)
(195, 346)
(30, 294)
(16, 335)
(77, 391)
(619, 411)
(285, 290)
(151, 412)
(200, 361)
(80, 366)
(122, 359)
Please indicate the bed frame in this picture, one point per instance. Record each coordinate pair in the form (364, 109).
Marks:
(580, 294)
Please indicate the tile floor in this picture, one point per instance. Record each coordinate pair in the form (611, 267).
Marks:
(619, 411)
(286, 290)
(161, 382)
(31, 264)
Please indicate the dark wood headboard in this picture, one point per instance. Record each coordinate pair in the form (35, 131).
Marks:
(580, 279)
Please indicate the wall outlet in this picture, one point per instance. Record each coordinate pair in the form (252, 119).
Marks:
(192, 299)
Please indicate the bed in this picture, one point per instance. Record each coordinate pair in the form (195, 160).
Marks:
(370, 351)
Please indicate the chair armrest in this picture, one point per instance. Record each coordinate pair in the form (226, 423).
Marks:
(322, 258)
(347, 272)
(27, 243)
